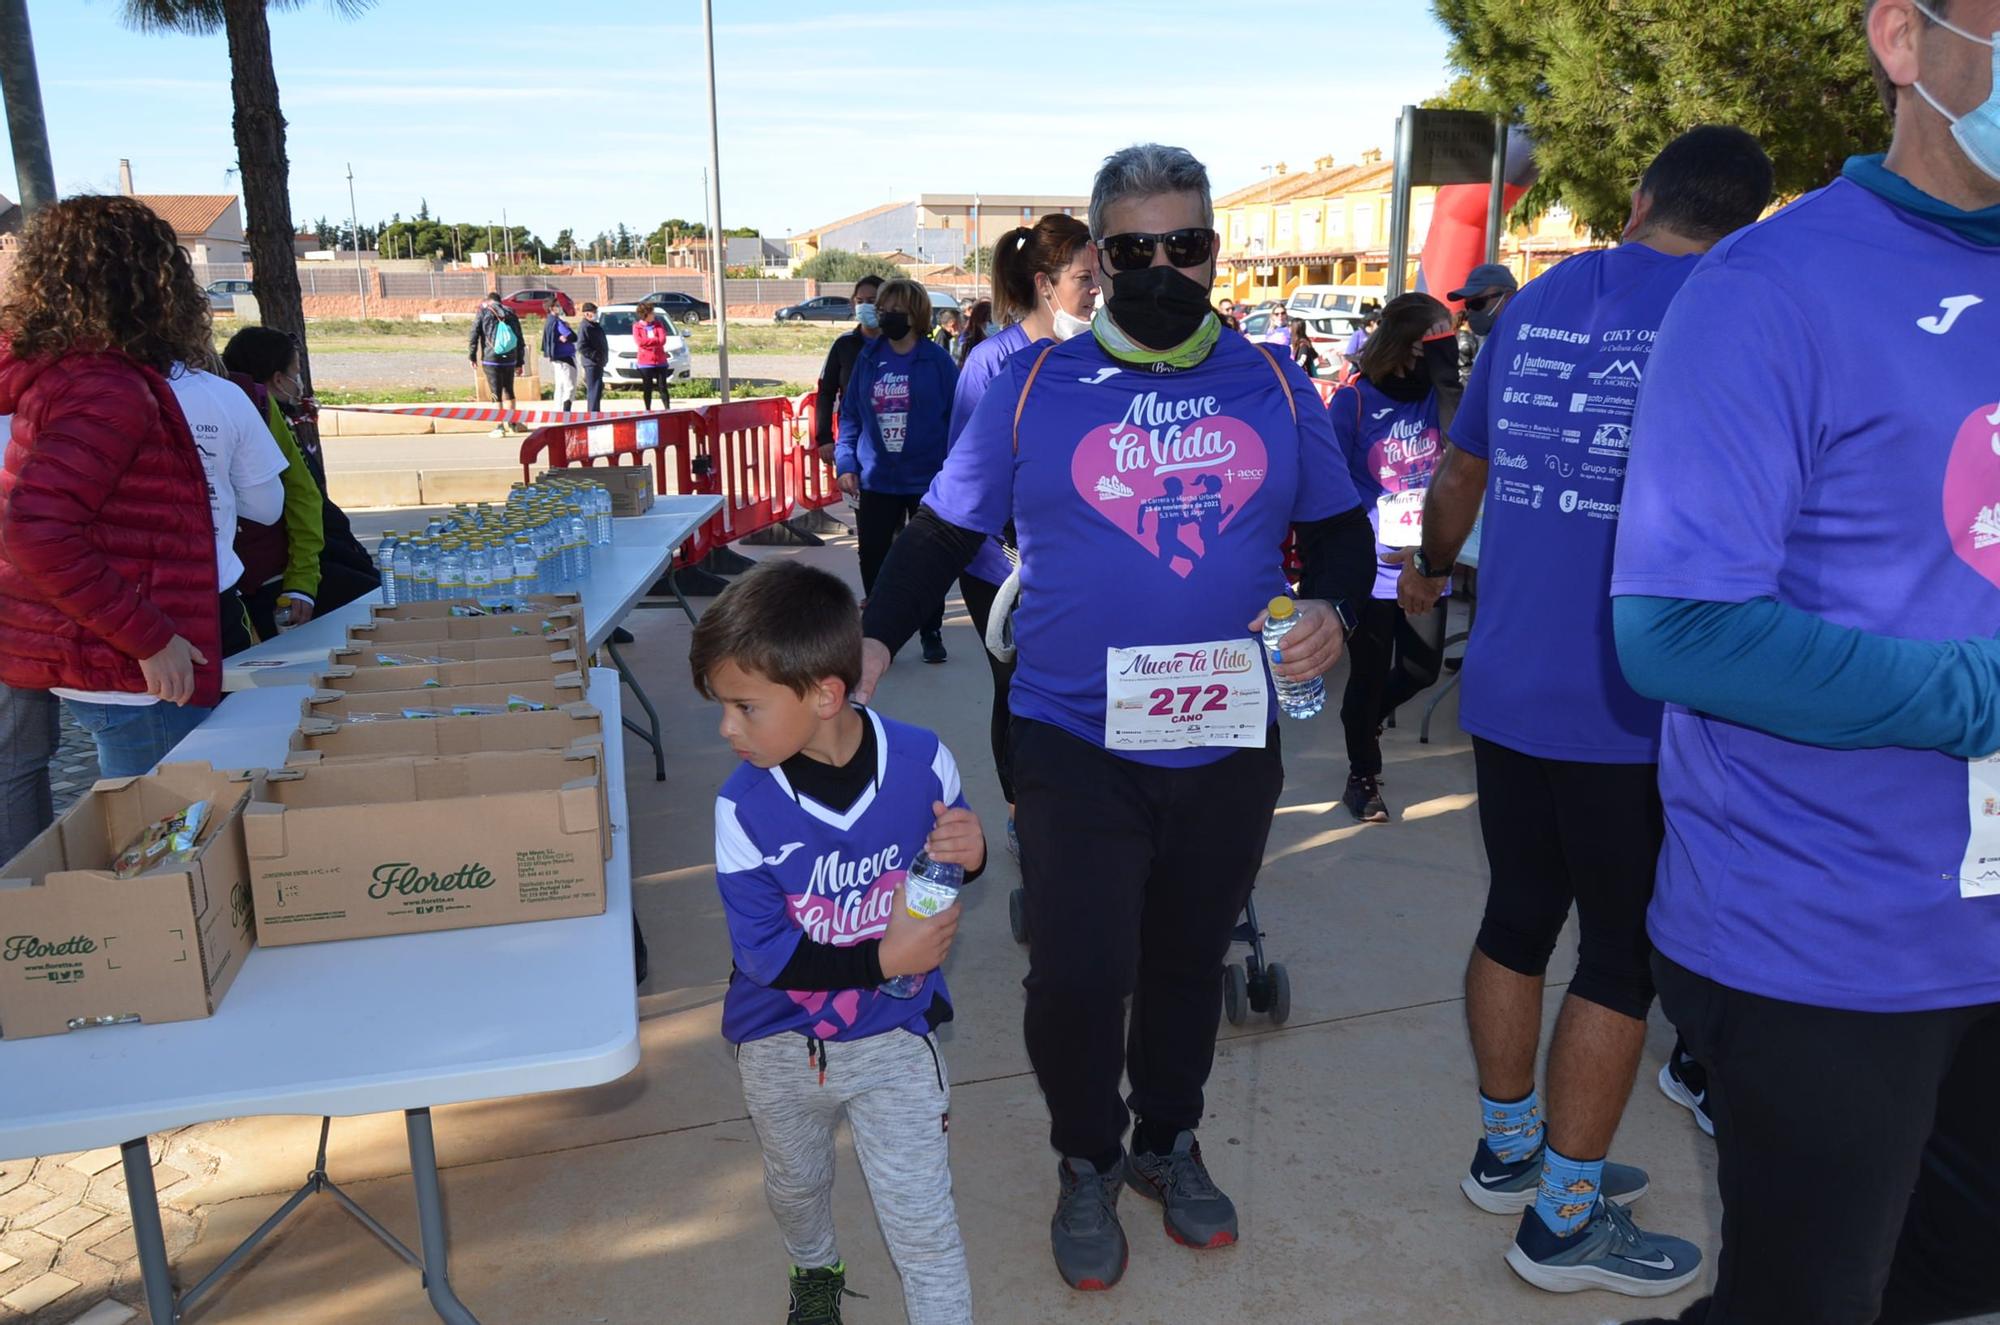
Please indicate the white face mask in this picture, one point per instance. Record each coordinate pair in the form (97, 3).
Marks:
(1063, 323)
(1977, 132)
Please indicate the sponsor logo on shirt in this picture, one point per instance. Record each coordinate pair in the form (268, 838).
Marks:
(1102, 376)
(1514, 492)
(1536, 331)
(1573, 501)
(1952, 307)
(1619, 370)
(1506, 459)
(1612, 439)
(1596, 402)
(1537, 398)
(1534, 365)
(1383, 413)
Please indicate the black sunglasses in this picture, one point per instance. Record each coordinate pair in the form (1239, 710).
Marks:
(1134, 250)
(1477, 303)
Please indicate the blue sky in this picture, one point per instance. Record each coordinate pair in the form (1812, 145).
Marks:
(826, 108)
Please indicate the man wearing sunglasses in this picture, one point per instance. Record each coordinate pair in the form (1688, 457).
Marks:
(1145, 747)
(1485, 292)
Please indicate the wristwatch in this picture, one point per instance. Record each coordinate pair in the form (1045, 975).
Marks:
(1425, 569)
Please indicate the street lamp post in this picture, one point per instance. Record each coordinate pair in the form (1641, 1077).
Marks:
(354, 220)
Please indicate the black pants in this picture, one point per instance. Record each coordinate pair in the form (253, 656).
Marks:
(1392, 658)
(236, 632)
(878, 518)
(593, 386)
(1134, 876)
(978, 596)
(500, 377)
(655, 379)
(1857, 1154)
(1559, 832)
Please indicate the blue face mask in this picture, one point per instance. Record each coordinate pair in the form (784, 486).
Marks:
(1977, 132)
(865, 315)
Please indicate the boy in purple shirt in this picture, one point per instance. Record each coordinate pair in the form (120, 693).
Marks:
(814, 835)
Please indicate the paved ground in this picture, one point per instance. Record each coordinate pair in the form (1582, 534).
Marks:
(1342, 1135)
(446, 369)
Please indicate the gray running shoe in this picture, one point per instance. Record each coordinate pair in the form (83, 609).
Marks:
(1197, 1213)
(1503, 1189)
(1609, 1252)
(1088, 1242)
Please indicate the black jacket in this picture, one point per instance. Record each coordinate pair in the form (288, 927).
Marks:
(550, 346)
(592, 351)
(483, 328)
(833, 382)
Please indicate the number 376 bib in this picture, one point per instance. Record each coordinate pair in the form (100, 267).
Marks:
(1174, 696)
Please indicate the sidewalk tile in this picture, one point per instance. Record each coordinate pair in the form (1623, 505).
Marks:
(94, 1162)
(38, 1293)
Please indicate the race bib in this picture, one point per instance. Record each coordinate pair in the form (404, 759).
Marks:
(1400, 518)
(1979, 872)
(1177, 696)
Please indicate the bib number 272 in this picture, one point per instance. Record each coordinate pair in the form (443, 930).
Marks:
(1215, 697)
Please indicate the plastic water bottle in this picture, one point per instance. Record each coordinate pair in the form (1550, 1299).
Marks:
(385, 566)
(423, 571)
(602, 496)
(405, 571)
(1299, 699)
(478, 570)
(931, 886)
(579, 537)
(523, 551)
(451, 570)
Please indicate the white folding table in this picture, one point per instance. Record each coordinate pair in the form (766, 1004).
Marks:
(642, 548)
(344, 1028)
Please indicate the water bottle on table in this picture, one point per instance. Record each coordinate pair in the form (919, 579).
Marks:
(385, 566)
(930, 887)
(1299, 699)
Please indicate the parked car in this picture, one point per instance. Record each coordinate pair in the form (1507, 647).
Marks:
(623, 369)
(1264, 327)
(821, 308)
(1330, 314)
(684, 309)
(536, 303)
(222, 294)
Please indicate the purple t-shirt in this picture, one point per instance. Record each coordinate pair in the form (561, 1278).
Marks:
(1835, 445)
(981, 366)
(1549, 408)
(788, 867)
(1150, 509)
(1390, 446)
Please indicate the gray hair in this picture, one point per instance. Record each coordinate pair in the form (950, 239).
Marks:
(1145, 170)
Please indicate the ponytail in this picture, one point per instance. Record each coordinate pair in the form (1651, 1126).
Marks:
(1045, 247)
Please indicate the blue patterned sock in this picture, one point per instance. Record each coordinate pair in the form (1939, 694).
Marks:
(1569, 1191)
(1513, 1129)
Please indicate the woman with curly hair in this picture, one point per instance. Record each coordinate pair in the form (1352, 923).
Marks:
(111, 564)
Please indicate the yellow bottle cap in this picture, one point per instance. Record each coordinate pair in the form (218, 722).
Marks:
(1281, 608)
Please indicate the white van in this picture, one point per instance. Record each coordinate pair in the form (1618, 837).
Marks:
(1330, 314)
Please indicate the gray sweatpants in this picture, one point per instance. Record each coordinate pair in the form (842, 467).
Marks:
(898, 1100)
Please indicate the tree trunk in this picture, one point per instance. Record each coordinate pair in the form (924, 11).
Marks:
(260, 156)
(25, 123)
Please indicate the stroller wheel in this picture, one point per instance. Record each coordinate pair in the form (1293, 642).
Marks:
(1280, 985)
(1017, 915)
(1235, 993)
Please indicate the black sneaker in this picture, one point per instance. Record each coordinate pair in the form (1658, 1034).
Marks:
(1197, 1213)
(1685, 1082)
(1088, 1241)
(934, 647)
(1363, 799)
(816, 1295)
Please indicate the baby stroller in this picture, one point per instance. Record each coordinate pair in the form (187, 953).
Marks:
(1253, 985)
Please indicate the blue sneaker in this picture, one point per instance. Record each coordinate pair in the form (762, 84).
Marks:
(1609, 1252)
(1505, 1189)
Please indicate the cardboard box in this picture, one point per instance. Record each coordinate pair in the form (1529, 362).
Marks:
(81, 947)
(402, 846)
(488, 671)
(400, 634)
(555, 729)
(342, 707)
(448, 609)
(476, 650)
(631, 485)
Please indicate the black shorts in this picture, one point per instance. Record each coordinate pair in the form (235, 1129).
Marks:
(1559, 832)
(500, 377)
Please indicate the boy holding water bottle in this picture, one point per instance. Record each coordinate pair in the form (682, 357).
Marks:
(814, 835)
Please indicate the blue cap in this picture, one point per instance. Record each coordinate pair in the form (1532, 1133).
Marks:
(1486, 276)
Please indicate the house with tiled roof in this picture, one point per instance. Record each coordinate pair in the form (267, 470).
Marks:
(944, 228)
(208, 225)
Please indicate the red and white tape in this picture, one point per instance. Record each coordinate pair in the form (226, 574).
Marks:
(489, 414)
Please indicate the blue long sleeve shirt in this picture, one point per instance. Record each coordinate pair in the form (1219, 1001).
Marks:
(895, 417)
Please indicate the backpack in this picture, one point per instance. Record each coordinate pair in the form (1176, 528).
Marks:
(505, 339)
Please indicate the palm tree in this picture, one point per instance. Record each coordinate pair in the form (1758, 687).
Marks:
(260, 139)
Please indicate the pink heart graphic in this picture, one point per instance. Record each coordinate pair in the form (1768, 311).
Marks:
(1171, 489)
(1972, 493)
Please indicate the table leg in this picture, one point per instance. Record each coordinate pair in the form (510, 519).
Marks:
(652, 736)
(1444, 692)
(146, 1233)
(430, 1220)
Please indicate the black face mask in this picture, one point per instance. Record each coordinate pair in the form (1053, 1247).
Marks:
(894, 325)
(1157, 306)
(1410, 384)
(1441, 363)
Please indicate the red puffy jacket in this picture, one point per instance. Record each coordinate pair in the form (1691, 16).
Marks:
(107, 547)
(651, 340)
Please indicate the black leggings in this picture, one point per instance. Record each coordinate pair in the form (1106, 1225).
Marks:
(978, 595)
(1559, 832)
(654, 379)
(1392, 658)
(1856, 1155)
(1133, 877)
(878, 518)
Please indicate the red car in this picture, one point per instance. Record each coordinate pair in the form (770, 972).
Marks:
(537, 302)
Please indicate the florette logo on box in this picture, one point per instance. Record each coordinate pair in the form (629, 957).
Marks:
(400, 876)
(28, 947)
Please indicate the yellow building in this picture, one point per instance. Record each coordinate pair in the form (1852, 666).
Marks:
(1330, 226)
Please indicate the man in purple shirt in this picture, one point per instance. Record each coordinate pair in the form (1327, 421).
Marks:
(1563, 749)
